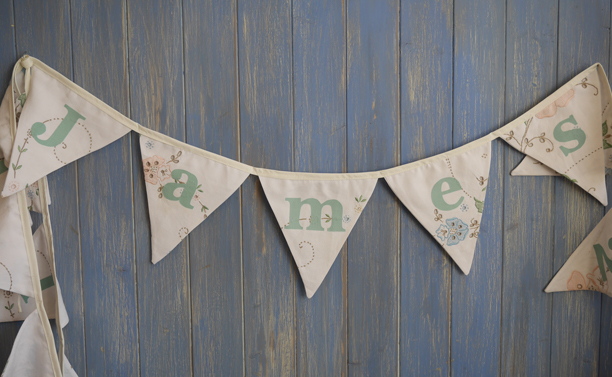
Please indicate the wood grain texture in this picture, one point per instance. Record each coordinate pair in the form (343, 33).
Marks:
(266, 139)
(531, 66)
(326, 86)
(576, 318)
(156, 101)
(44, 30)
(215, 246)
(479, 109)
(105, 198)
(319, 97)
(372, 143)
(426, 130)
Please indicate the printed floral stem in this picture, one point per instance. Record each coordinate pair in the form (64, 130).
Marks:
(8, 307)
(21, 149)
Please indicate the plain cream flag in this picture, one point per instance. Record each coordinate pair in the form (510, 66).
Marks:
(569, 137)
(183, 189)
(589, 266)
(30, 355)
(447, 196)
(56, 126)
(316, 217)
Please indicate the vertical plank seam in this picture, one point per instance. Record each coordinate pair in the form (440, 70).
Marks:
(78, 207)
(131, 153)
(397, 162)
(189, 290)
(554, 214)
(240, 193)
(346, 298)
(293, 165)
(503, 207)
(449, 299)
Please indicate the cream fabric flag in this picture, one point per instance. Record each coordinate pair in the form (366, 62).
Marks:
(316, 217)
(30, 355)
(16, 293)
(183, 189)
(589, 266)
(569, 137)
(56, 127)
(447, 196)
(32, 191)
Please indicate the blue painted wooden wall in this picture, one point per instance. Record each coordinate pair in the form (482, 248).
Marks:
(326, 86)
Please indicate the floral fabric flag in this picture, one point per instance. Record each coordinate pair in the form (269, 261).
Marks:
(183, 189)
(30, 355)
(32, 191)
(589, 266)
(18, 296)
(56, 126)
(447, 196)
(316, 217)
(569, 137)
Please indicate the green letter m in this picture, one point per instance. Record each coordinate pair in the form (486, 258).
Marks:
(601, 257)
(315, 214)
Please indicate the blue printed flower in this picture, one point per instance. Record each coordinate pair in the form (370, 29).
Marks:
(149, 144)
(346, 219)
(464, 207)
(453, 232)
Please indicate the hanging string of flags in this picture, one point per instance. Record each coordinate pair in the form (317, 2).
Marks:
(47, 121)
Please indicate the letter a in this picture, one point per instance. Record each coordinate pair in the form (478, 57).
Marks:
(60, 132)
(189, 188)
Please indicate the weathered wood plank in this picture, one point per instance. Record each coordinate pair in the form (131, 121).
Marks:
(531, 63)
(427, 98)
(266, 114)
(156, 101)
(372, 143)
(320, 140)
(576, 316)
(211, 103)
(105, 197)
(479, 109)
(8, 55)
(43, 30)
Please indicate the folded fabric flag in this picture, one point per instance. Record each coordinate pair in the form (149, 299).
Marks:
(316, 217)
(183, 189)
(17, 293)
(30, 355)
(589, 266)
(32, 191)
(447, 196)
(565, 138)
(56, 127)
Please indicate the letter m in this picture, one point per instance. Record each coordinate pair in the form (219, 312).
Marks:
(316, 208)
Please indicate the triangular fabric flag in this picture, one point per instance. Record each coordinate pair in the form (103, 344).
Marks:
(183, 189)
(57, 126)
(30, 355)
(32, 191)
(566, 137)
(589, 266)
(447, 196)
(16, 292)
(316, 217)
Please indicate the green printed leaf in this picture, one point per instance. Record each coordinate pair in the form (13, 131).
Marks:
(604, 128)
(22, 99)
(479, 205)
(571, 179)
(24, 150)
(606, 145)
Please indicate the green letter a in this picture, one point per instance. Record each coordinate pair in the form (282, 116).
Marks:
(189, 188)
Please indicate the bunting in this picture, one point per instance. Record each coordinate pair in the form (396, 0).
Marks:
(565, 137)
(316, 217)
(447, 196)
(183, 189)
(56, 127)
(589, 267)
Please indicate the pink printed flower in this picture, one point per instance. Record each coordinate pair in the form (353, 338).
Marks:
(156, 170)
(13, 186)
(551, 109)
(593, 282)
